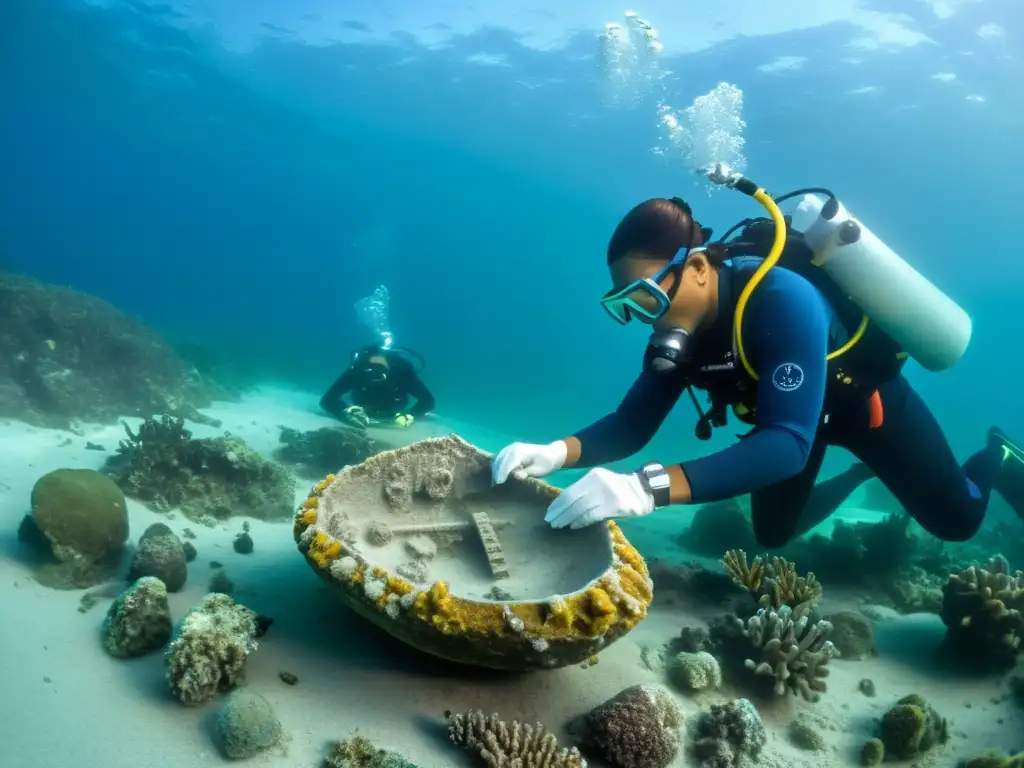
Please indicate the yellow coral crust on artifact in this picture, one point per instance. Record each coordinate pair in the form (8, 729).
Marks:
(323, 550)
(621, 598)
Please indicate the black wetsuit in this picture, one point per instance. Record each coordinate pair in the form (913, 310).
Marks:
(798, 407)
(382, 392)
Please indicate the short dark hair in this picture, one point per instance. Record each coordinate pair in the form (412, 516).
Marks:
(657, 228)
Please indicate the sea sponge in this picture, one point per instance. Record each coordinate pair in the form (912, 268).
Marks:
(160, 554)
(209, 649)
(728, 735)
(139, 620)
(510, 745)
(638, 728)
(792, 651)
(912, 727)
(983, 610)
(694, 671)
(246, 725)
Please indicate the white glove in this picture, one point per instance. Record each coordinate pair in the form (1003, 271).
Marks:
(599, 495)
(528, 460)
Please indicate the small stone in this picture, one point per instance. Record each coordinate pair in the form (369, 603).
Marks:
(188, 533)
(867, 687)
(190, 551)
(288, 678)
(216, 564)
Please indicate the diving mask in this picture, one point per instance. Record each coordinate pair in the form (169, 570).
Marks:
(645, 298)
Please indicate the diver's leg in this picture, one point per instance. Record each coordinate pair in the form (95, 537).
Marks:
(1003, 461)
(777, 511)
(828, 496)
(910, 455)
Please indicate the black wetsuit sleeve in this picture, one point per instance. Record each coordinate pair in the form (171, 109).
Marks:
(786, 332)
(424, 399)
(632, 425)
(333, 400)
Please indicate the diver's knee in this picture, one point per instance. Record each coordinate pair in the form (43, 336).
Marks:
(962, 524)
(771, 537)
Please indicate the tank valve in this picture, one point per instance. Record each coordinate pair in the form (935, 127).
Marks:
(849, 232)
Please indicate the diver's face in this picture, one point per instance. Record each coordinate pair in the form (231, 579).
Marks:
(689, 303)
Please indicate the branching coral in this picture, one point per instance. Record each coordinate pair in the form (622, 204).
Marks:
(982, 609)
(774, 584)
(510, 745)
(792, 650)
(162, 465)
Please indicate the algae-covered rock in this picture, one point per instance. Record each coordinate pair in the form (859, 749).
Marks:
(80, 518)
(329, 449)
(805, 736)
(994, 759)
(67, 356)
(209, 649)
(730, 734)
(360, 752)
(160, 554)
(638, 728)
(873, 752)
(139, 620)
(246, 725)
(164, 466)
(912, 727)
(853, 635)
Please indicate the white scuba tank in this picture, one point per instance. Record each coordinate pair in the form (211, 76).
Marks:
(926, 323)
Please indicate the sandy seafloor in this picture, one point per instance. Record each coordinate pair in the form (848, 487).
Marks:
(65, 702)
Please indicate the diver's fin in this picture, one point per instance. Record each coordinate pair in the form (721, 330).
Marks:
(1010, 478)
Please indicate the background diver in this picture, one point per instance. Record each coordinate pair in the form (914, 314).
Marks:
(381, 380)
(797, 401)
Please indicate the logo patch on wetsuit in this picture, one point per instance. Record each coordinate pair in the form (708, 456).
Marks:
(788, 377)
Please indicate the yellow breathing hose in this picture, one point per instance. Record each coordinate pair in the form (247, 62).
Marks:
(774, 254)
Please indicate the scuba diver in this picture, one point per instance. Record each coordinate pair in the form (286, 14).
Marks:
(381, 379)
(808, 355)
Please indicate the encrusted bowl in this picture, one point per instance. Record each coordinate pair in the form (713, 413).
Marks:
(419, 542)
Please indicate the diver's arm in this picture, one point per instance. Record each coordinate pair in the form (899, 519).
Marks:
(333, 400)
(630, 427)
(424, 399)
(786, 332)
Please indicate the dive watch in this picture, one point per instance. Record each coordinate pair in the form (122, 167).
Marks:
(655, 480)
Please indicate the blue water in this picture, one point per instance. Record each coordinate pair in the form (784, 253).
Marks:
(238, 173)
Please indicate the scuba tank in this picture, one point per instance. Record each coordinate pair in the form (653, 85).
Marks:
(862, 277)
(927, 324)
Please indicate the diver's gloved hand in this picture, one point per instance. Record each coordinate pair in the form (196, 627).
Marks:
(599, 495)
(354, 414)
(528, 460)
(404, 420)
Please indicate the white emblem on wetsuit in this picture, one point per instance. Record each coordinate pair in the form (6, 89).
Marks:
(788, 377)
